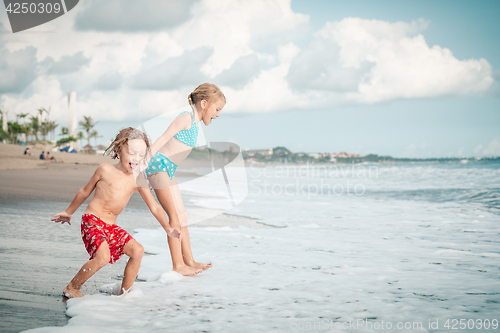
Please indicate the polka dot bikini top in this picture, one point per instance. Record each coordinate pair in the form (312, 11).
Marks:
(190, 135)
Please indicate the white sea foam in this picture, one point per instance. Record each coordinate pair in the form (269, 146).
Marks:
(339, 259)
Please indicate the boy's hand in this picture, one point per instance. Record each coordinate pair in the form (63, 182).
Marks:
(174, 233)
(63, 218)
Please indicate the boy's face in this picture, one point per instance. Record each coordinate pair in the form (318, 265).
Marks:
(132, 153)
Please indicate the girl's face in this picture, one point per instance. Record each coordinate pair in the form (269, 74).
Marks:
(212, 111)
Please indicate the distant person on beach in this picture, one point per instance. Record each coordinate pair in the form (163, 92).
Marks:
(114, 184)
(48, 157)
(42, 155)
(167, 152)
(27, 152)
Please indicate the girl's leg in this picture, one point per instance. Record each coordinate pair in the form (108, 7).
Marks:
(164, 196)
(135, 251)
(90, 268)
(187, 254)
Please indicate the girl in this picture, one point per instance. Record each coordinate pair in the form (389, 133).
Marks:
(171, 148)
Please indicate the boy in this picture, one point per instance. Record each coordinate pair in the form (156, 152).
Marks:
(114, 185)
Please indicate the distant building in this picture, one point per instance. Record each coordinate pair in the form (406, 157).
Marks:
(341, 154)
(263, 152)
(315, 155)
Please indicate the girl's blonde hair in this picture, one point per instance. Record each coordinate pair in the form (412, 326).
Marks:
(122, 138)
(206, 91)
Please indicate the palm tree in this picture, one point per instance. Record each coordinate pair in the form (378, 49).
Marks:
(80, 137)
(23, 126)
(23, 115)
(52, 128)
(14, 130)
(28, 130)
(44, 129)
(35, 125)
(87, 124)
(95, 135)
(42, 111)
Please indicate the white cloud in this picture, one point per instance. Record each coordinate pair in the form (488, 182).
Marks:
(269, 91)
(410, 151)
(69, 64)
(388, 61)
(230, 27)
(348, 62)
(240, 73)
(109, 81)
(478, 149)
(132, 15)
(47, 94)
(493, 148)
(180, 72)
(17, 69)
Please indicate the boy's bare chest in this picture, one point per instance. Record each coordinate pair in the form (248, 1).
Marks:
(117, 185)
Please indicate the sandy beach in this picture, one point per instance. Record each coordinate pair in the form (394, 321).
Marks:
(29, 178)
(33, 270)
(406, 249)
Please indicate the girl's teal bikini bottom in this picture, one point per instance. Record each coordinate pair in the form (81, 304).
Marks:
(161, 163)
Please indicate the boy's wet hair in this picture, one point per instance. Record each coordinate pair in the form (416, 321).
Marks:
(206, 91)
(122, 138)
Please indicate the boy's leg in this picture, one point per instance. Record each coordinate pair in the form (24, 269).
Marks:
(90, 268)
(135, 251)
(165, 198)
(187, 254)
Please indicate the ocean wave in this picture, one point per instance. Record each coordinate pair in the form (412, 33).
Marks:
(488, 197)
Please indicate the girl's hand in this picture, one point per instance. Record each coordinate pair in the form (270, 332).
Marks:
(63, 218)
(174, 233)
(143, 165)
(139, 170)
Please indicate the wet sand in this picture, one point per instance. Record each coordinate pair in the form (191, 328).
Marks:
(39, 257)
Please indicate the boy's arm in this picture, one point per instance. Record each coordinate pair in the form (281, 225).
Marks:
(80, 197)
(158, 213)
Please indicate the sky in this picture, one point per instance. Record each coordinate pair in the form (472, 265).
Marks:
(400, 78)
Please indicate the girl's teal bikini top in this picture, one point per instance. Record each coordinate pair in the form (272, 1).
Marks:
(190, 135)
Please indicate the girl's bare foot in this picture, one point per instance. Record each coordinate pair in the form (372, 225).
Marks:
(199, 265)
(187, 270)
(71, 292)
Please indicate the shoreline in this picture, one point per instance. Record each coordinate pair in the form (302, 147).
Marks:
(26, 178)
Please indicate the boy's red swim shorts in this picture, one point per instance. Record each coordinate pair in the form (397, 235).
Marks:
(95, 231)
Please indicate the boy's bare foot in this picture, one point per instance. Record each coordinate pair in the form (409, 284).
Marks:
(71, 292)
(203, 266)
(187, 270)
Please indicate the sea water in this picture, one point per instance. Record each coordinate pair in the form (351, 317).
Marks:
(368, 248)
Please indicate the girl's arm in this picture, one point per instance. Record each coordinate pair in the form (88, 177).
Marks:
(158, 213)
(80, 197)
(178, 124)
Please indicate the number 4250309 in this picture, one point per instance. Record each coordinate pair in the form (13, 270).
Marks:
(460, 324)
(41, 8)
